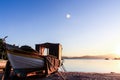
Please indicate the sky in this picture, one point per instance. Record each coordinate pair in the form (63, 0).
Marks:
(82, 27)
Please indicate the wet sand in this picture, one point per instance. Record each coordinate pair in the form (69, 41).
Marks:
(75, 76)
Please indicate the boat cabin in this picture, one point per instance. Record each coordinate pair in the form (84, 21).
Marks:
(54, 49)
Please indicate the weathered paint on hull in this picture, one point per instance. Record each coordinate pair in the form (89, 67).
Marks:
(25, 64)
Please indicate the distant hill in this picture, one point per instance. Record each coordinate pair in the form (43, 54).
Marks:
(111, 56)
(84, 57)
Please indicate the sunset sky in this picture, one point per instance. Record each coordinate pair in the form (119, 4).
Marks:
(83, 27)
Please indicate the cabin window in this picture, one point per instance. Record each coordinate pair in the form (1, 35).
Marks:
(46, 51)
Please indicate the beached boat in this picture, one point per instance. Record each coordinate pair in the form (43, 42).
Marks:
(24, 60)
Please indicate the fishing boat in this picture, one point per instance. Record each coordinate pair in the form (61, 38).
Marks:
(24, 59)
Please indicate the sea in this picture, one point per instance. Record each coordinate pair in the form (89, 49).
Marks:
(87, 65)
(92, 65)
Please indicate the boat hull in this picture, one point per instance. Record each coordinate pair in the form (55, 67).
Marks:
(25, 63)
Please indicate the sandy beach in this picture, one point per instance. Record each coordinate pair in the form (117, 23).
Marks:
(76, 76)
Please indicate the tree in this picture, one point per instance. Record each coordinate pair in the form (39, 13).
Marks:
(3, 51)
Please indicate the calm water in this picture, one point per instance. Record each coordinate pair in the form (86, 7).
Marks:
(92, 65)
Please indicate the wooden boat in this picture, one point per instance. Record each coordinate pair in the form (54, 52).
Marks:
(26, 60)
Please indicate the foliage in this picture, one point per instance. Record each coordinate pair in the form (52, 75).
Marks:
(3, 54)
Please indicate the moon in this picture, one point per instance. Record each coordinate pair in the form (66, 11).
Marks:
(68, 16)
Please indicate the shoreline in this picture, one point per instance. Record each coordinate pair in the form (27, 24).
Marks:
(76, 76)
